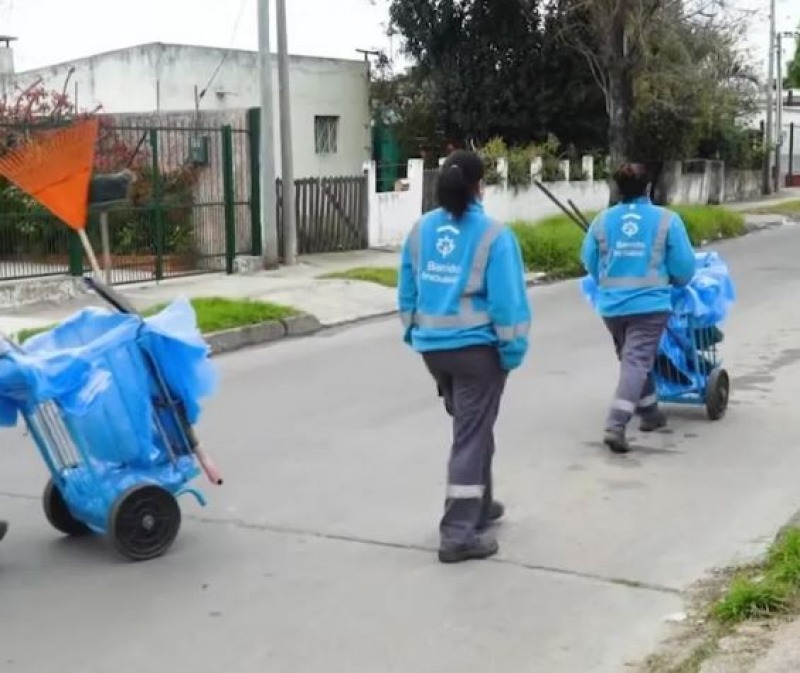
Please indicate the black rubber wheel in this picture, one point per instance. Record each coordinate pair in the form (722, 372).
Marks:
(144, 522)
(718, 393)
(58, 514)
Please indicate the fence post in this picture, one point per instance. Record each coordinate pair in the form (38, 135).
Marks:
(254, 137)
(75, 255)
(790, 179)
(157, 209)
(228, 196)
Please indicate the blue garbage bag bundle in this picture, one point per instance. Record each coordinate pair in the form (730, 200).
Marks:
(93, 366)
(698, 310)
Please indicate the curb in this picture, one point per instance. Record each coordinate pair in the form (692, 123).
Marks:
(238, 338)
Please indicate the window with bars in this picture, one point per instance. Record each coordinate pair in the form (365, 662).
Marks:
(326, 134)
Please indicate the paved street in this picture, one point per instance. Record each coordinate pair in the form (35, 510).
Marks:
(317, 554)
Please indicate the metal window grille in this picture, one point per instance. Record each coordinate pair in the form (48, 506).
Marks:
(326, 134)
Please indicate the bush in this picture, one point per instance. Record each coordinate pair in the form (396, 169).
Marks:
(553, 245)
(709, 223)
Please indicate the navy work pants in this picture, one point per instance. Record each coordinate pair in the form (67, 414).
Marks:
(471, 381)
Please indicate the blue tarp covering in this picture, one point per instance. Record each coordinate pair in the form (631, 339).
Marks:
(93, 365)
(698, 310)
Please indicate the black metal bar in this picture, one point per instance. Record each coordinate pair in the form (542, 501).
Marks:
(580, 215)
(564, 209)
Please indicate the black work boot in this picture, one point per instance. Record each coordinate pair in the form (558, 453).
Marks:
(482, 548)
(654, 421)
(495, 512)
(615, 440)
(3, 529)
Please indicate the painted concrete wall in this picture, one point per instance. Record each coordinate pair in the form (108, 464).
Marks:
(162, 78)
(392, 214)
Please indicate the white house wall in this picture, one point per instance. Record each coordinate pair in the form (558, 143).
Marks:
(158, 77)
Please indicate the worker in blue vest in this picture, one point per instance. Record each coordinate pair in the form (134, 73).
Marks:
(463, 303)
(636, 251)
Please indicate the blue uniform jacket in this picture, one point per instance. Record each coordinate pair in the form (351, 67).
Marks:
(462, 283)
(635, 251)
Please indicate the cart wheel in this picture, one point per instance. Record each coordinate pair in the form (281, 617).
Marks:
(58, 514)
(144, 522)
(718, 392)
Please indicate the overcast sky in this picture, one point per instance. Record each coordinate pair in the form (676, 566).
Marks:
(51, 31)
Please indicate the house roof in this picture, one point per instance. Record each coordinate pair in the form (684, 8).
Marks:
(165, 46)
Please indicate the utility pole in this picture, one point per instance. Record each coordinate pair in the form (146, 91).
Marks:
(766, 186)
(287, 163)
(269, 225)
(779, 110)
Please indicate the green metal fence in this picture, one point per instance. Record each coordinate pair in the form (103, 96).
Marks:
(191, 209)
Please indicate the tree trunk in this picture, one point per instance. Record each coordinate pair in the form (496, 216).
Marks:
(620, 93)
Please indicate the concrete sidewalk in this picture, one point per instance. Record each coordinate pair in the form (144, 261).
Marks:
(332, 301)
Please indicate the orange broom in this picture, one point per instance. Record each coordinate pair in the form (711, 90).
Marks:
(55, 169)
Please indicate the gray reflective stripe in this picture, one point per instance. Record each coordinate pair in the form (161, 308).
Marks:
(460, 492)
(466, 317)
(648, 401)
(623, 405)
(413, 245)
(660, 244)
(513, 332)
(653, 277)
(600, 234)
(481, 260)
(407, 318)
(634, 282)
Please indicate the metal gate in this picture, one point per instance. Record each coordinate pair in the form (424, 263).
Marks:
(191, 209)
(429, 200)
(331, 214)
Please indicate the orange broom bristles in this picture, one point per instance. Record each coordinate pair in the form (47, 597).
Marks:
(55, 169)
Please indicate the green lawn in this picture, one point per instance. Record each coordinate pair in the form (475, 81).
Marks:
(214, 314)
(790, 208)
(382, 275)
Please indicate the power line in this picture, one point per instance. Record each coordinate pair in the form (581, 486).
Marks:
(213, 77)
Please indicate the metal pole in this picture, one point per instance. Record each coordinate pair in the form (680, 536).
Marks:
(287, 166)
(269, 224)
(105, 240)
(766, 186)
(779, 111)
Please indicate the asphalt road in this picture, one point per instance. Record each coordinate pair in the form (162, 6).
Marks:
(317, 555)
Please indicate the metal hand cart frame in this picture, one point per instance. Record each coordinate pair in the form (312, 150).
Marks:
(143, 518)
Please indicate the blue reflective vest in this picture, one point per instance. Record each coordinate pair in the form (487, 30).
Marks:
(635, 251)
(462, 283)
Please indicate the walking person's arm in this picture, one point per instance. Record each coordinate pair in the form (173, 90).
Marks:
(509, 307)
(680, 254)
(590, 253)
(407, 290)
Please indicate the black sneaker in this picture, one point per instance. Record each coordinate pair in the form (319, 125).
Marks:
(483, 548)
(3, 529)
(615, 440)
(653, 422)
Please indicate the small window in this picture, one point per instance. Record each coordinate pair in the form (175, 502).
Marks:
(326, 134)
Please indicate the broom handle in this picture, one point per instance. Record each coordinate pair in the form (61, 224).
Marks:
(87, 246)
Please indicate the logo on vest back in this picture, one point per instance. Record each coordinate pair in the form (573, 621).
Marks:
(630, 228)
(445, 246)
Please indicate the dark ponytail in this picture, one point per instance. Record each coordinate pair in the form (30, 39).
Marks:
(459, 182)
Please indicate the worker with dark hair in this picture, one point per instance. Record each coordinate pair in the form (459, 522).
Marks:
(463, 303)
(636, 251)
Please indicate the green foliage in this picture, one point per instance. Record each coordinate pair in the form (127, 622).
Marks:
(793, 71)
(553, 245)
(498, 69)
(709, 223)
(766, 590)
(381, 275)
(519, 161)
